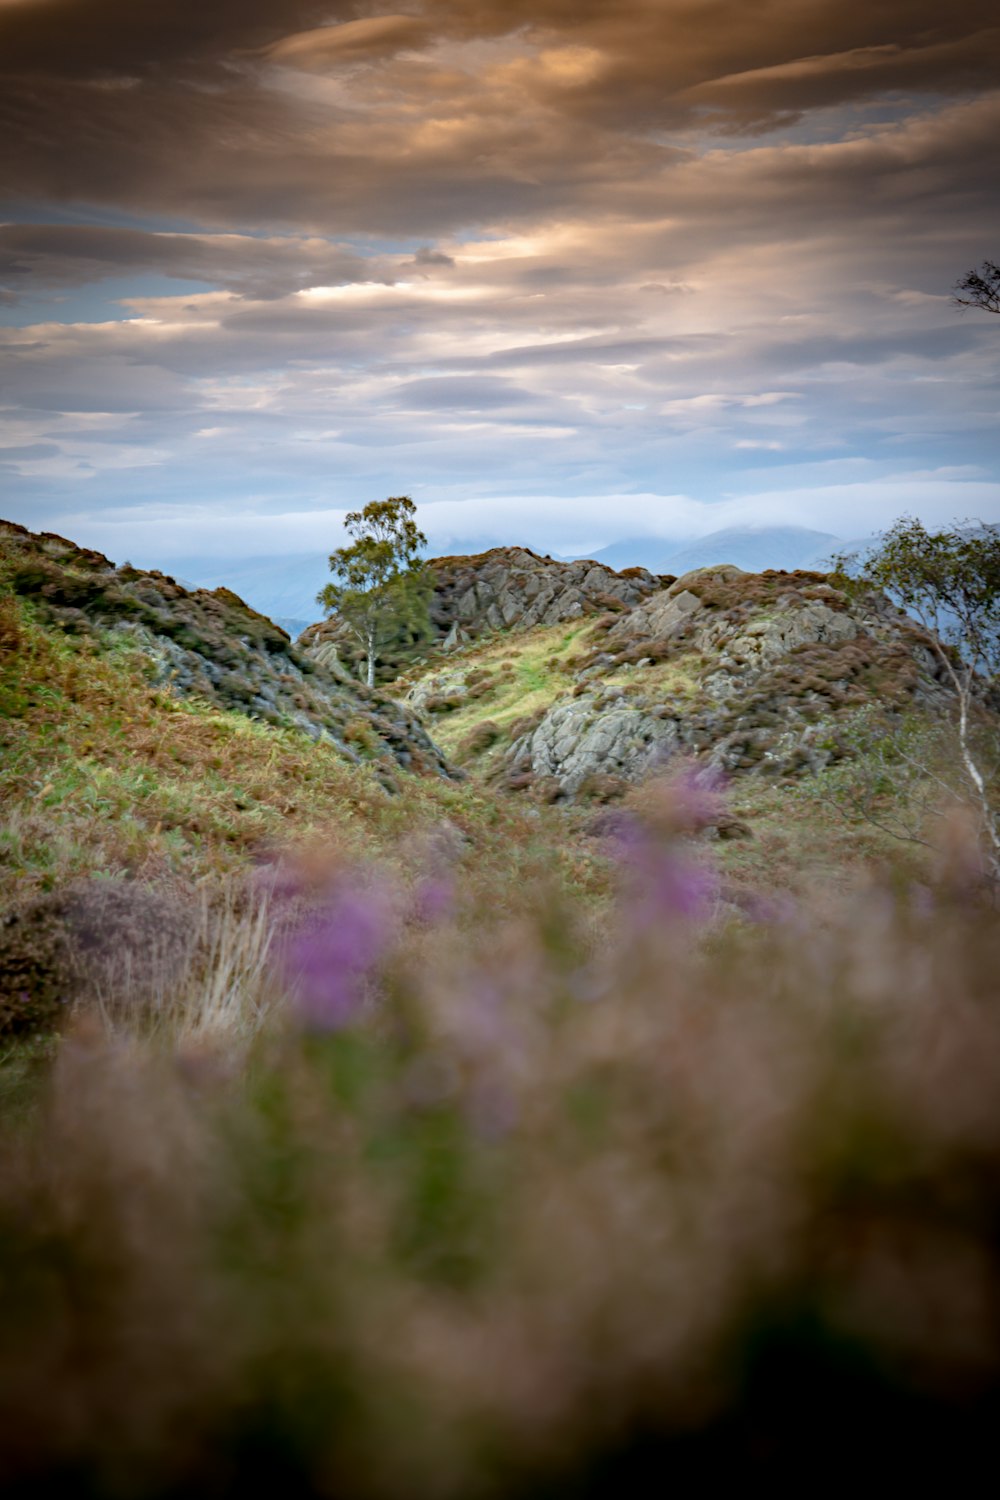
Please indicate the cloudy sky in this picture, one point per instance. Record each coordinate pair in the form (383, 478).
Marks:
(564, 271)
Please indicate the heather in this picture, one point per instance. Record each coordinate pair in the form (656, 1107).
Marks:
(504, 1208)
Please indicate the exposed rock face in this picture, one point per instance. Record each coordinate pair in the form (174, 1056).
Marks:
(508, 588)
(209, 644)
(514, 588)
(746, 672)
(600, 733)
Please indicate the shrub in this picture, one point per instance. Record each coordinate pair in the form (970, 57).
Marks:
(479, 739)
(444, 703)
(10, 627)
(526, 724)
(611, 603)
(601, 787)
(37, 975)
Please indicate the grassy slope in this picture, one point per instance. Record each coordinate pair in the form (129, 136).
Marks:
(102, 774)
(526, 671)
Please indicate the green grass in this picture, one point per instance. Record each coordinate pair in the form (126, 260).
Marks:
(541, 662)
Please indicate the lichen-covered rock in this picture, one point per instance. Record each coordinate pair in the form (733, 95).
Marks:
(594, 733)
(514, 588)
(210, 645)
(751, 673)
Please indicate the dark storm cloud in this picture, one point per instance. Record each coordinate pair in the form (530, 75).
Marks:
(425, 256)
(188, 39)
(58, 255)
(457, 112)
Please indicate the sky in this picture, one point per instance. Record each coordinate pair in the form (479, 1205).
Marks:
(565, 272)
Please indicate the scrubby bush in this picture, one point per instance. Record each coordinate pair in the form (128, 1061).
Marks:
(525, 724)
(744, 593)
(359, 732)
(37, 974)
(444, 703)
(10, 627)
(479, 739)
(601, 787)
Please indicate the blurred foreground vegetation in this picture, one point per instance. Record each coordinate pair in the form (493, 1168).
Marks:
(434, 1143)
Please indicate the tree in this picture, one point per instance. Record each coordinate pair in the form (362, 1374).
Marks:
(380, 586)
(950, 582)
(980, 288)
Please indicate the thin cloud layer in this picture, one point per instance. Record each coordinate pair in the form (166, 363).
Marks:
(293, 256)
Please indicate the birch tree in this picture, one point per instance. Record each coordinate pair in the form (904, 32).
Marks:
(380, 586)
(949, 581)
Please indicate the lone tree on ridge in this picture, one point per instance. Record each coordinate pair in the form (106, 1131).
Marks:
(380, 585)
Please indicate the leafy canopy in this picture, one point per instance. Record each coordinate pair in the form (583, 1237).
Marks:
(380, 586)
(949, 580)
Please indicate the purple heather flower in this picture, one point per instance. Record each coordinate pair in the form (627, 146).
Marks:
(663, 881)
(328, 962)
(434, 899)
(699, 794)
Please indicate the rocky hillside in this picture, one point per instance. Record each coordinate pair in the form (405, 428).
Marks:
(751, 673)
(507, 588)
(211, 646)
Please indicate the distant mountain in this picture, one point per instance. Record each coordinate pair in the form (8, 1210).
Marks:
(755, 548)
(283, 588)
(636, 552)
(752, 548)
(294, 628)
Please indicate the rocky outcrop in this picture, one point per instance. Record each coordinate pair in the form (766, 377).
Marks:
(512, 588)
(210, 645)
(507, 588)
(750, 673)
(601, 733)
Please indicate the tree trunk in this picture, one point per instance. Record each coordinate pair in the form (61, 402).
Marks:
(371, 661)
(962, 683)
